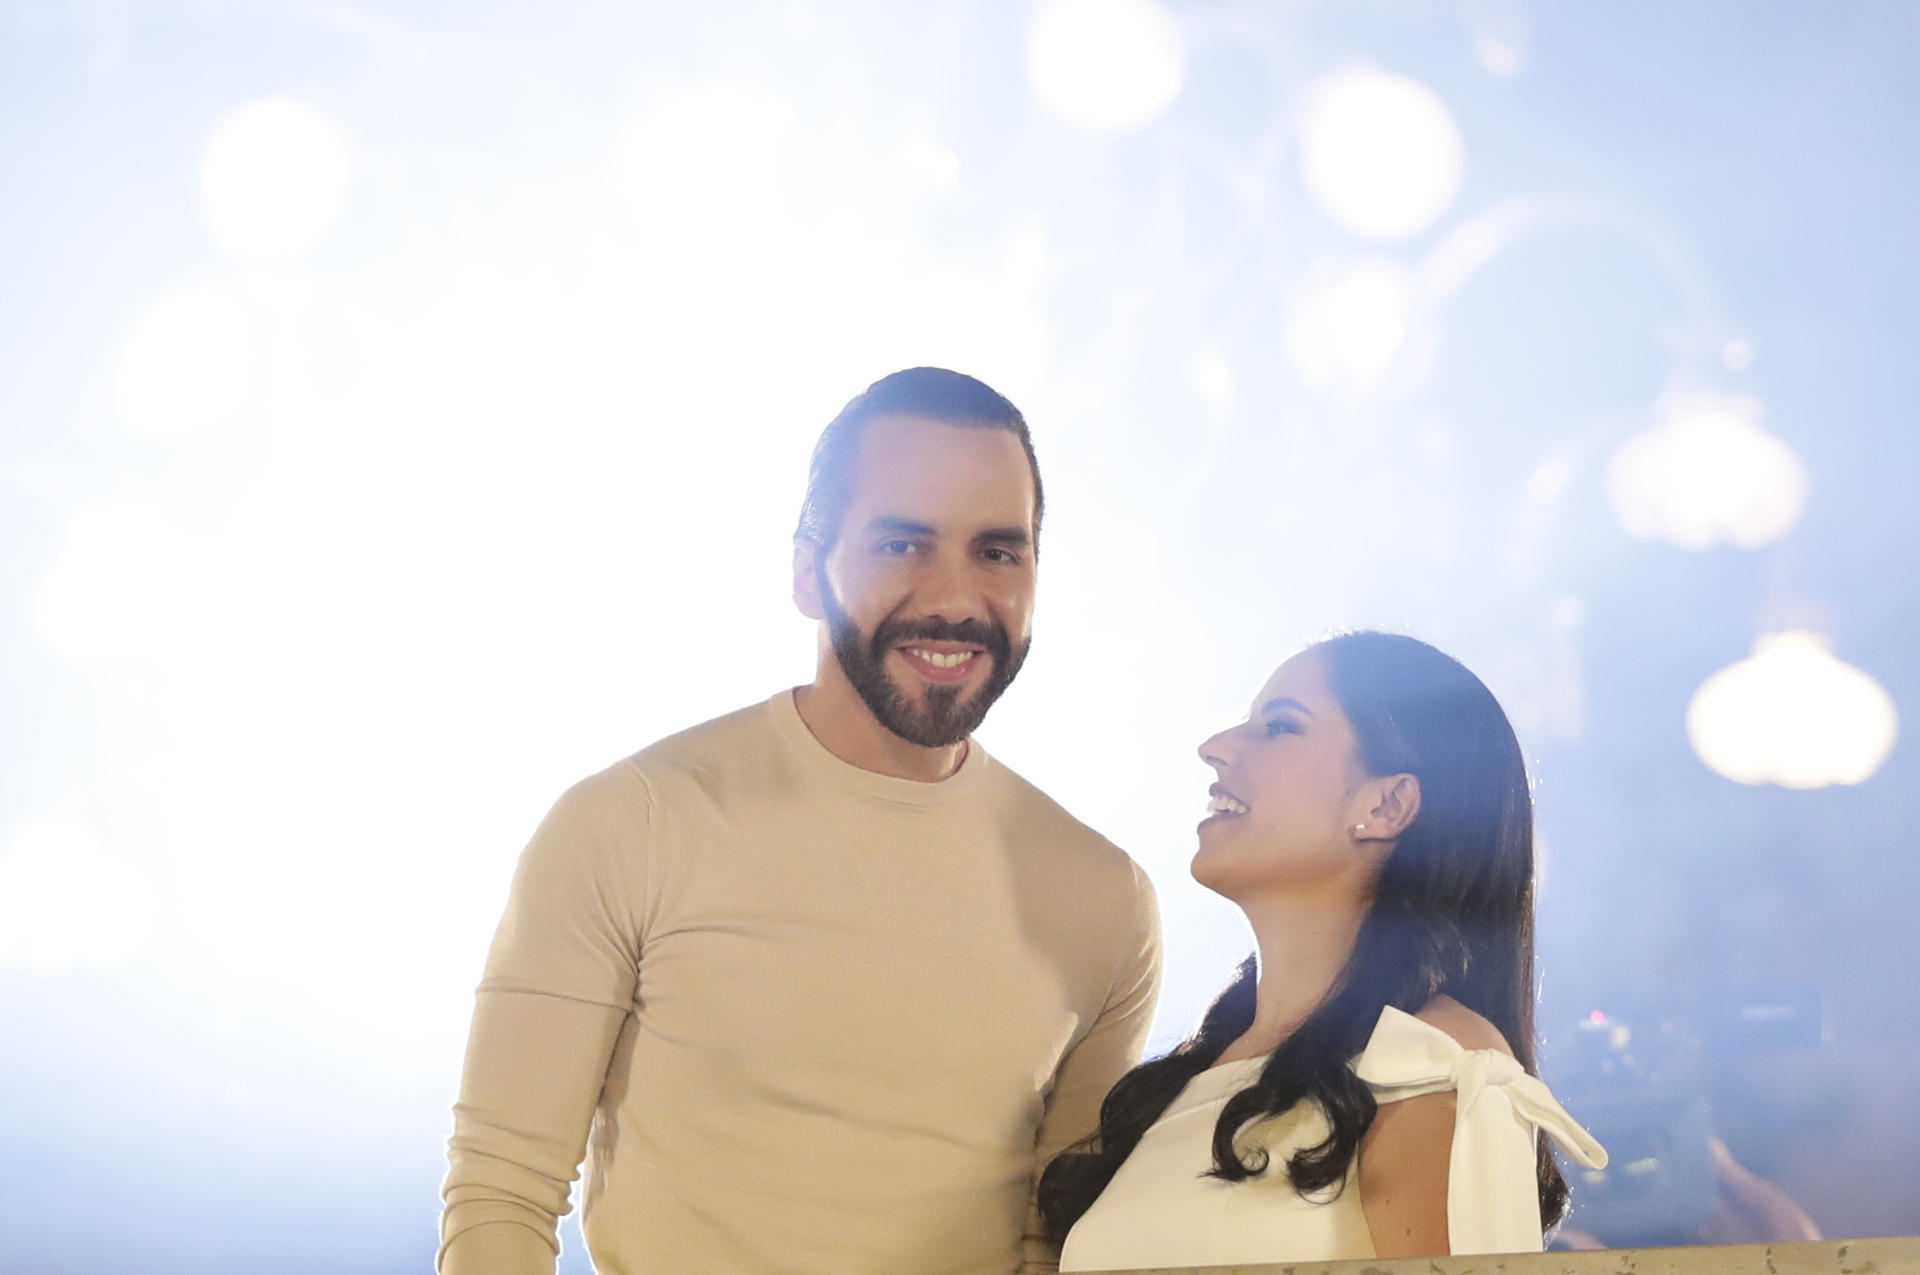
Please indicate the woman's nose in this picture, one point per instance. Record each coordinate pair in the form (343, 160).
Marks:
(1214, 748)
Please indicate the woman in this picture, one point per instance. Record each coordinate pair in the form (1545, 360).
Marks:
(1366, 1088)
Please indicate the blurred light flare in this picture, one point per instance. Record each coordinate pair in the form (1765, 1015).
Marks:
(1550, 479)
(1347, 328)
(708, 156)
(1707, 474)
(132, 586)
(1568, 612)
(932, 163)
(1211, 377)
(190, 366)
(66, 904)
(317, 617)
(750, 235)
(1379, 153)
(1498, 57)
(1105, 67)
(274, 176)
(1792, 714)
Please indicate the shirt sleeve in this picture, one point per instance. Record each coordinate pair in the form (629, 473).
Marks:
(560, 980)
(1108, 1050)
(1493, 1193)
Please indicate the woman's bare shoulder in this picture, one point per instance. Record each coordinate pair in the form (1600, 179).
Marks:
(1469, 1029)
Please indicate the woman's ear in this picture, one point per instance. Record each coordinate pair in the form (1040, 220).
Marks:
(1396, 804)
(806, 579)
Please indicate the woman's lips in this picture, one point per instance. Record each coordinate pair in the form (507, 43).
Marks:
(1222, 804)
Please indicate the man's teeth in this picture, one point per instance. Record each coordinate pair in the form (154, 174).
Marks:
(938, 660)
(1225, 805)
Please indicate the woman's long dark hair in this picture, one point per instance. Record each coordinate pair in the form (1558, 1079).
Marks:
(1452, 913)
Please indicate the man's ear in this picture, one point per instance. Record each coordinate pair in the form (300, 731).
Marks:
(806, 578)
(1396, 804)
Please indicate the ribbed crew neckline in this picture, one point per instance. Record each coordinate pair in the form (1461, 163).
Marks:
(867, 783)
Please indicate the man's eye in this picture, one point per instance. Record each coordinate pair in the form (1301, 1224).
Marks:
(996, 554)
(897, 548)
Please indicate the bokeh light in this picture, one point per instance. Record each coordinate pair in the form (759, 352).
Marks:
(1794, 715)
(1707, 474)
(1348, 328)
(1380, 154)
(1499, 56)
(273, 179)
(1104, 66)
(1210, 374)
(131, 587)
(66, 904)
(707, 160)
(189, 366)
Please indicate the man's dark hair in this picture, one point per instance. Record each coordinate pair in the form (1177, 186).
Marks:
(933, 393)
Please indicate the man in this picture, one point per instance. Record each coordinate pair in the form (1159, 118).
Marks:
(819, 985)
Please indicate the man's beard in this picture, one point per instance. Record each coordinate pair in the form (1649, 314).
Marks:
(945, 719)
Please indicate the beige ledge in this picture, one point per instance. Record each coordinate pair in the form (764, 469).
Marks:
(1898, 1255)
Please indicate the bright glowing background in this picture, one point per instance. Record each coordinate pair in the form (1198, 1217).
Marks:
(407, 413)
(1380, 154)
(1104, 66)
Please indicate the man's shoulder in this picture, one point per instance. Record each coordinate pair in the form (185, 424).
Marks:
(1098, 890)
(718, 740)
(1042, 817)
(730, 741)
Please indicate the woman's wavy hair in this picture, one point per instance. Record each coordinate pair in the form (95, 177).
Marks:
(1452, 913)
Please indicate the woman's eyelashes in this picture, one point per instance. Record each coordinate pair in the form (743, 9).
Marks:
(1281, 726)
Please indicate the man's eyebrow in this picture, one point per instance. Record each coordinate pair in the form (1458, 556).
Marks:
(1281, 702)
(889, 525)
(1015, 537)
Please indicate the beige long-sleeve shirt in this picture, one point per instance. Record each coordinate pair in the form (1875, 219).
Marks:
(796, 1016)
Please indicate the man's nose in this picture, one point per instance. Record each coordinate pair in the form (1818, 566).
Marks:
(949, 590)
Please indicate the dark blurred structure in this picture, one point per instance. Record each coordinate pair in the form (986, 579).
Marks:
(1643, 1084)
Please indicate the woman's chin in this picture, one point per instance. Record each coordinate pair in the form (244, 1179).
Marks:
(1210, 868)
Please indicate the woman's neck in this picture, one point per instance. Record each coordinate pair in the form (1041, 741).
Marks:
(1304, 943)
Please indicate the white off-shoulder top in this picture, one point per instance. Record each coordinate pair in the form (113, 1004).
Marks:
(1161, 1209)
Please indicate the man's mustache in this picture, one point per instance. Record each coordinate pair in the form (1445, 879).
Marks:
(934, 629)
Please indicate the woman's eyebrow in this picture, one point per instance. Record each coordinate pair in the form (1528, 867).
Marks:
(1280, 702)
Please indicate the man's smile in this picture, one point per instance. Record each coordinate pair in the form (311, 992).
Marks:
(942, 662)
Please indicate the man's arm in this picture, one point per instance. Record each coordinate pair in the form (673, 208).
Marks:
(1108, 1051)
(559, 984)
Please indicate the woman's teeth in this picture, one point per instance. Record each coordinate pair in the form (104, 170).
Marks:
(1225, 805)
